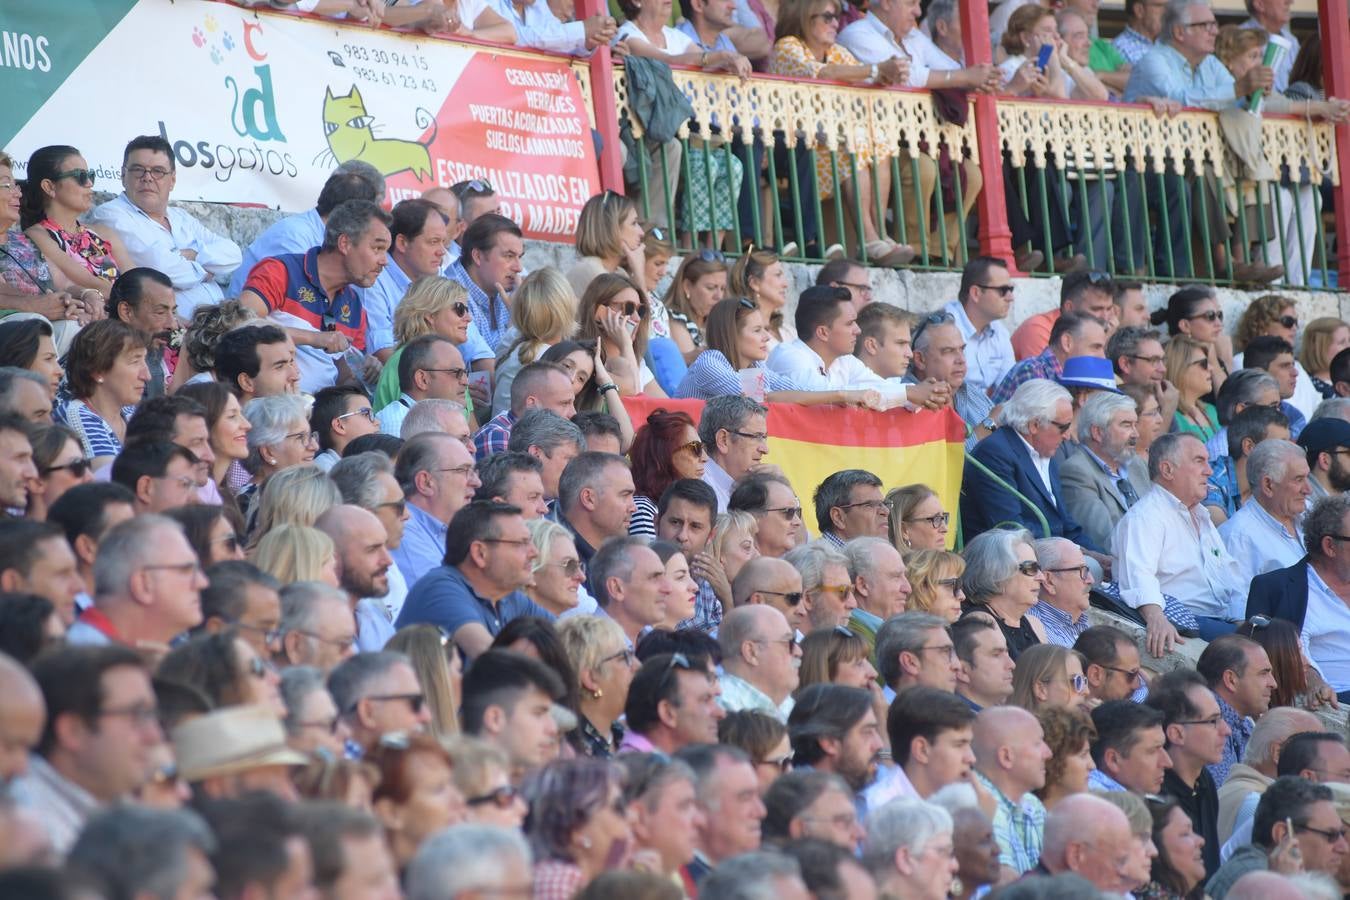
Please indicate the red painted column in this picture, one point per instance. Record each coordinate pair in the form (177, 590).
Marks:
(995, 236)
(602, 97)
(1334, 19)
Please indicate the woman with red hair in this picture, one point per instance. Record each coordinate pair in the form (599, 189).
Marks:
(665, 449)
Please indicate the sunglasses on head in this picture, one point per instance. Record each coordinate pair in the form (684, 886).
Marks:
(745, 303)
(708, 255)
(937, 318)
(476, 186)
(77, 468)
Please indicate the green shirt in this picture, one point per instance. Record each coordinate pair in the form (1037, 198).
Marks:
(1104, 57)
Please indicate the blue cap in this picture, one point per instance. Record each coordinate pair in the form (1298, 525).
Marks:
(1091, 372)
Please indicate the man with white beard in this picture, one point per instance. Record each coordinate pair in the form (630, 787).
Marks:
(1101, 484)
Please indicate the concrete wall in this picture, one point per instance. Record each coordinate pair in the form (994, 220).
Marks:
(917, 291)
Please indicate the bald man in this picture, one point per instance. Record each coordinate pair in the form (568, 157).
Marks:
(1010, 757)
(760, 658)
(22, 715)
(773, 582)
(363, 570)
(1091, 838)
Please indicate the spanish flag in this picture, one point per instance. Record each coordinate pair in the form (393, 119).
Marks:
(810, 443)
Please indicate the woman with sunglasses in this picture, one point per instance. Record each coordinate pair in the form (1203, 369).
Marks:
(313, 726)
(57, 190)
(417, 796)
(61, 465)
(483, 775)
(614, 312)
(1049, 675)
(917, 520)
(665, 449)
(558, 570)
(107, 376)
(1195, 312)
(1188, 368)
(440, 672)
(225, 668)
(543, 313)
(215, 532)
(604, 663)
(699, 284)
(935, 580)
(32, 285)
(1276, 316)
(228, 430)
(439, 306)
(738, 339)
(578, 825)
(279, 437)
(1069, 734)
(1003, 579)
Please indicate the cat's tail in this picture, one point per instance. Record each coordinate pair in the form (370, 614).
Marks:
(426, 119)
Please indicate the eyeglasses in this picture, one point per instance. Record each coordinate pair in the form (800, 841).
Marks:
(1151, 360)
(463, 470)
(1062, 426)
(84, 177)
(269, 634)
(1029, 567)
(186, 569)
(414, 701)
(398, 506)
(694, 447)
(501, 797)
(76, 468)
(459, 373)
(1209, 315)
(1004, 290)
(363, 411)
(877, 506)
(1133, 676)
(792, 598)
(708, 255)
(865, 289)
(1083, 571)
(936, 522)
(1212, 721)
(790, 513)
(1288, 321)
(343, 643)
(1208, 25)
(571, 567)
(231, 541)
(156, 173)
(760, 436)
(782, 763)
(304, 437)
(520, 542)
(1202, 362)
(9, 186)
(257, 668)
(328, 725)
(1332, 836)
(139, 714)
(627, 655)
(789, 642)
(937, 318)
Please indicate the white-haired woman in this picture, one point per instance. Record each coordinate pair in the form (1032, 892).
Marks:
(1004, 579)
(604, 663)
(558, 570)
(280, 437)
(910, 851)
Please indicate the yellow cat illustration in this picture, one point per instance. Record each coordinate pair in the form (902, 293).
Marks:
(350, 134)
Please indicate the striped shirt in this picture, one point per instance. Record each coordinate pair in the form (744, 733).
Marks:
(1019, 828)
(711, 375)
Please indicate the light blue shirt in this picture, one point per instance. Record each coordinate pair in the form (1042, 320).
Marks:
(379, 302)
(739, 694)
(1259, 542)
(293, 234)
(989, 352)
(392, 416)
(423, 546)
(541, 29)
(1164, 72)
(151, 244)
(722, 44)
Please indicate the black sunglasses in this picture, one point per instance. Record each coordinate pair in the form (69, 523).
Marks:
(501, 797)
(792, 597)
(76, 468)
(1209, 315)
(84, 177)
(461, 309)
(1288, 321)
(937, 318)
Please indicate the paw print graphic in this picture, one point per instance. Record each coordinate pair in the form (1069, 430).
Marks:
(216, 55)
(212, 26)
(228, 41)
(198, 38)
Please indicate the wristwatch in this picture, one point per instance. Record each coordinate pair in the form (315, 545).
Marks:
(989, 424)
(875, 70)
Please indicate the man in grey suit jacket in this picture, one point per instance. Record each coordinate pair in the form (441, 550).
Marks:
(1101, 484)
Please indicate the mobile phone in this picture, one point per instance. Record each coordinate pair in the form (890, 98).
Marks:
(1043, 57)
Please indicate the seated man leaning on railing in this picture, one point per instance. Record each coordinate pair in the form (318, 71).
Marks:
(890, 31)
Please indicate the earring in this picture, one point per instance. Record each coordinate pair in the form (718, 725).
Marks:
(597, 694)
(99, 380)
(585, 843)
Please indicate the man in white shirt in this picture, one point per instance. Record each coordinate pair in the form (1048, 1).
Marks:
(539, 28)
(984, 299)
(943, 25)
(1167, 543)
(760, 658)
(885, 347)
(163, 238)
(821, 357)
(1266, 533)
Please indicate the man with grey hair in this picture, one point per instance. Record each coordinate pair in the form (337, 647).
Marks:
(1090, 837)
(1022, 453)
(849, 505)
(551, 439)
(916, 648)
(880, 583)
(378, 694)
(1108, 477)
(1266, 533)
(437, 475)
(147, 586)
(827, 591)
(755, 876)
(760, 658)
(1332, 407)
(25, 394)
(135, 851)
(354, 251)
(1136, 353)
(1167, 543)
(629, 582)
(940, 356)
(898, 834)
(468, 860)
(735, 432)
(442, 416)
(1228, 484)
(1314, 594)
(1064, 594)
(515, 478)
(595, 500)
(317, 627)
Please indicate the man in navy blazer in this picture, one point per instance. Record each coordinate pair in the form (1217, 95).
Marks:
(1033, 423)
